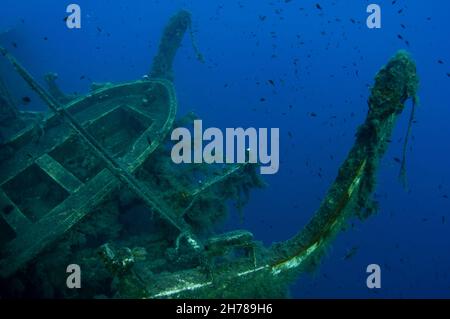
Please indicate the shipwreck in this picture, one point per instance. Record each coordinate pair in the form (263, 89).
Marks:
(91, 182)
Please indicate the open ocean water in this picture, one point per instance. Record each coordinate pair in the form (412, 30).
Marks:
(305, 67)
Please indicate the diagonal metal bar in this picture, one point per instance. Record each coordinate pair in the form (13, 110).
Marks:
(114, 166)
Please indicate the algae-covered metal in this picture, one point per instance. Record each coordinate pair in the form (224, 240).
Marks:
(274, 268)
(51, 179)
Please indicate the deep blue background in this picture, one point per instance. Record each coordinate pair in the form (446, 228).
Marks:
(337, 60)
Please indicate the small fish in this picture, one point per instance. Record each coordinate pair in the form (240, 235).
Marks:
(262, 99)
(26, 100)
(318, 6)
(397, 160)
(271, 82)
(312, 114)
(351, 253)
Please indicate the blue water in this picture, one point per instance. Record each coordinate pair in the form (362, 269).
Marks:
(321, 62)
